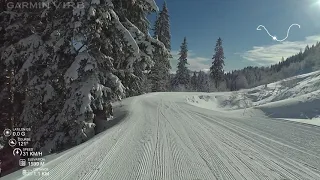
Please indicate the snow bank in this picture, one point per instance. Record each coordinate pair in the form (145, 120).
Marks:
(225, 101)
(294, 98)
(306, 107)
(313, 121)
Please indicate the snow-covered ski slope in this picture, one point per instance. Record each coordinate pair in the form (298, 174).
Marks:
(201, 136)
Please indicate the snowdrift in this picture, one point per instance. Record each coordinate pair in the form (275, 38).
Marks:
(296, 98)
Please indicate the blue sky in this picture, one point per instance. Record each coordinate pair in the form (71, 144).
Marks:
(235, 21)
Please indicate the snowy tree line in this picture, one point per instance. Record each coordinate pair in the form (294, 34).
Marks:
(217, 80)
(303, 62)
(61, 68)
(186, 80)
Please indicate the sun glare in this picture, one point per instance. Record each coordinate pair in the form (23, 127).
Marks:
(317, 3)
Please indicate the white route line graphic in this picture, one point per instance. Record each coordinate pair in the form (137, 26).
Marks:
(275, 37)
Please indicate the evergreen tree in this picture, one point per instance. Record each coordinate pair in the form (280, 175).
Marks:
(159, 74)
(241, 82)
(157, 77)
(133, 17)
(15, 24)
(162, 27)
(7, 112)
(182, 77)
(216, 70)
(71, 63)
(194, 81)
(202, 82)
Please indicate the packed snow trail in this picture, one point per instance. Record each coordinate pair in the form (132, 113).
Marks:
(164, 137)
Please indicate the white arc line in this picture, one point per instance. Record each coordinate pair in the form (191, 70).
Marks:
(275, 37)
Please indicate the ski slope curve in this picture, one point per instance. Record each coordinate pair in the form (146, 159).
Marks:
(163, 137)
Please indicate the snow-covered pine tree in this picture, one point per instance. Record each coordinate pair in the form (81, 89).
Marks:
(159, 74)
(241, 82)
(7, 114)
(67, 65)
(162, 27)
(203, 82)
(156, 76)
(136, 12)
(133, 15)
(216, 70)
(16, 24)
(182, 77)
(194, 82)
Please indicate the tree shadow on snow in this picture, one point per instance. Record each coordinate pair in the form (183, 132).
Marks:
(102, 125)
(119, 114)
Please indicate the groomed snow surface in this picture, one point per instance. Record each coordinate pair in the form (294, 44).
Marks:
(204, 136)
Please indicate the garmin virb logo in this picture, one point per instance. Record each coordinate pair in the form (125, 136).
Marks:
(42, 5)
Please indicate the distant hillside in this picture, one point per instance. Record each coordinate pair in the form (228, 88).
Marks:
(301, 63)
